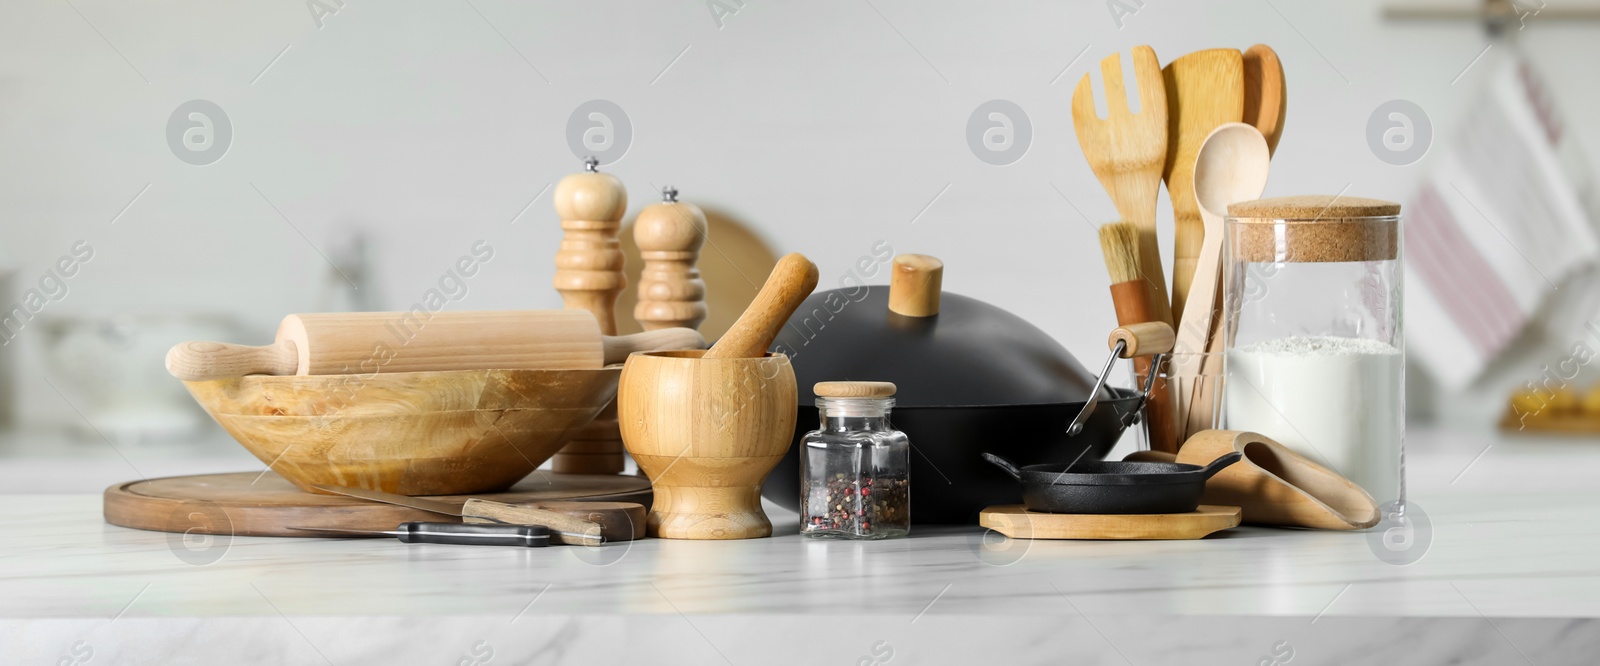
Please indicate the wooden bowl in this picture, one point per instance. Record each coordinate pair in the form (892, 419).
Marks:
(707, 432)
(413, 433)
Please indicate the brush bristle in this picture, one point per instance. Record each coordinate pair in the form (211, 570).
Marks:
(1120, 243)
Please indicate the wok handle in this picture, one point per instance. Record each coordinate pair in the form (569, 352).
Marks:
(1118, 348)
(1126, 342)
(1004, 464)
(1142, 339)
(1220, 463)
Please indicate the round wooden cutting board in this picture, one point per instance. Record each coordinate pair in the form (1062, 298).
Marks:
(255, 504)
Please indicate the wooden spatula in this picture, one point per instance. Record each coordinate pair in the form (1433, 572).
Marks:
(791, 281)
(367, 342)
(1126, 151)
(1265, 93)
(1204, 90)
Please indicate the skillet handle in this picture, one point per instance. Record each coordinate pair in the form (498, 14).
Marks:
(1004, 464)
(1218, 464)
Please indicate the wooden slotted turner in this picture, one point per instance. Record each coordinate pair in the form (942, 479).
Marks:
(1127, 150)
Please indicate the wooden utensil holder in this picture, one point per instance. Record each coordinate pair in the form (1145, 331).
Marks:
(707, 432)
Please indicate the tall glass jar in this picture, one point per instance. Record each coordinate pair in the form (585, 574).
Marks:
(855, 472)
(1315, 358)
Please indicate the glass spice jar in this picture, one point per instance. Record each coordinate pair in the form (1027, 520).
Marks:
(855, 472)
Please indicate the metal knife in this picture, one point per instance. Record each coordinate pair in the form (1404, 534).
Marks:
(564, 528)
(466, 534)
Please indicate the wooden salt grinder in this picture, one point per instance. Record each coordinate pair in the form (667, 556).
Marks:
(669, 235)
(589, 276)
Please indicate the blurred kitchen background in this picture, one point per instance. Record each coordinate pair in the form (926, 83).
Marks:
(357, 149)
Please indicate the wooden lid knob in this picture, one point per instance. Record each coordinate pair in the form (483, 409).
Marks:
(670, 226)
(1154, 337)
(914, 285)
(592, 196)
(854, 389)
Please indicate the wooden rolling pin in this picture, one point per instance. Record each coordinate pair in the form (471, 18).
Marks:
(791, 281)
(367, 342)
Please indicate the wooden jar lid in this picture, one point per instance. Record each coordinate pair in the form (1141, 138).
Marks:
(854, 389)
(1313, 207)
(1315, 228)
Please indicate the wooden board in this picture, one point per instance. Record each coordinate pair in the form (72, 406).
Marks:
(1017, 522)
(239, 504)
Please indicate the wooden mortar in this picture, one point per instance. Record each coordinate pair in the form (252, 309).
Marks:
(707, 432)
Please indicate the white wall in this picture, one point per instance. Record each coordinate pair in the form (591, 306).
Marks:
(815, 121)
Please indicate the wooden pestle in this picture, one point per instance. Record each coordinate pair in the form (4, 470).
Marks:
(368, 342)
(791, 281)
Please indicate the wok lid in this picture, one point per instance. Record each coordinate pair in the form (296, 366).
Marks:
(949, 351)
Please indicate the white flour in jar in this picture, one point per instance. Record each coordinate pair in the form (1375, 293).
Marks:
(1339, 401)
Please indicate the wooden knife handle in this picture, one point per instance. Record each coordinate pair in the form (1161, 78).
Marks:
(199, 361)
(618, 347)
(791, 281)
(517, 514)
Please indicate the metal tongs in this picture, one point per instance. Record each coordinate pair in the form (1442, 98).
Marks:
(1131, 341)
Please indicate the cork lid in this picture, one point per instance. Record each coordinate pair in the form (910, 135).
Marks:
(1314, 228)
(854, 389)
(1313, 207)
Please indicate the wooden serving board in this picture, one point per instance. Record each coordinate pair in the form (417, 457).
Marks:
(1018, 522)
(255, 504)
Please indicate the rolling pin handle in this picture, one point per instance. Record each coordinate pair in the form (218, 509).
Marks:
(618, 347)
(199, 361)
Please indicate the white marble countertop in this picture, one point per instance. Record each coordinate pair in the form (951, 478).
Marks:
(1511, 574)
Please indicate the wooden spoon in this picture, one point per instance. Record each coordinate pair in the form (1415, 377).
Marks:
(791, 281)
(1265, 106)
(1232, 166)
(1265, 102)
(1204, 89)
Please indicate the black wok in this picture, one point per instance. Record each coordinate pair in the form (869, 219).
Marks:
(972, 378)
(1103, 487)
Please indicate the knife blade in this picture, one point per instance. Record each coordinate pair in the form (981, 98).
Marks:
(564, 528)
(475, 534)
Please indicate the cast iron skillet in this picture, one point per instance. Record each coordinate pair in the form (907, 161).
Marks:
(1113, 487)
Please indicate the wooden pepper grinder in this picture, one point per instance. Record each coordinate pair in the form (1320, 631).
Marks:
(589, 276)
(669, 235)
